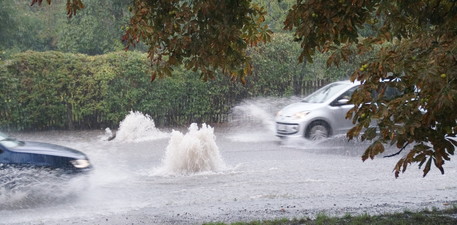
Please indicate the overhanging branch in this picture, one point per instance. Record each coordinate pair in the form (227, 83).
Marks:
(397, 153)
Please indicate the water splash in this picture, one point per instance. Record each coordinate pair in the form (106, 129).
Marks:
(27, 187)
(108, 135)
(194, 152)
(253, 119)
(138, 127)
(252, 114)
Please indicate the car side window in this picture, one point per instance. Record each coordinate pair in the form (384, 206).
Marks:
(346, 95)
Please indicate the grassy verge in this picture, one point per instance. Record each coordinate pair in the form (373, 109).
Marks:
(425, 217)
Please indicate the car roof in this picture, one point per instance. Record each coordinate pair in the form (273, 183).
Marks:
(355, 83)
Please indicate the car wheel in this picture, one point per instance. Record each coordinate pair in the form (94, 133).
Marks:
(317, 130)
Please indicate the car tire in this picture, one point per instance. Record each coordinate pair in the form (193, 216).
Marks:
(317, 130)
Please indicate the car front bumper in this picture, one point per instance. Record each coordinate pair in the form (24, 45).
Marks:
(287, 129)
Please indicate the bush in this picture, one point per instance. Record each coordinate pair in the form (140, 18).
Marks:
(55, 90)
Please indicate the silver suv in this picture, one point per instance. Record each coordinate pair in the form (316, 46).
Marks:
(319, 115)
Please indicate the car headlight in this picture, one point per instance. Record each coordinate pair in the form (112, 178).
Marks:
(301, 115)
(80, 163)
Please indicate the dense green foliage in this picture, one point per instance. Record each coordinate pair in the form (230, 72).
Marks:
(219, 48)
(42, 90)
(276, 12)
(19, 31)
(95, 30)
(62, 90)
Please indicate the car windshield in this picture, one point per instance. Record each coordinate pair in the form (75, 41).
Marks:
(325, 93)
(7, 141)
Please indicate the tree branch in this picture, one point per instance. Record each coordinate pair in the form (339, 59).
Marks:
(397, 153)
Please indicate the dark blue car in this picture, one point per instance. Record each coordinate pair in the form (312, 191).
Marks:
(37, 155)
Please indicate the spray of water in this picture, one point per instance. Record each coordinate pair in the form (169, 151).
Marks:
(108, 136)
(137, 127)
(255, 115)
(28, 187)
(253, 119)
(194, 152)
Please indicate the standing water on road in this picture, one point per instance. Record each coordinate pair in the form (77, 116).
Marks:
(131, 181)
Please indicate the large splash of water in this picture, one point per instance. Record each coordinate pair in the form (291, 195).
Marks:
(190, 153)
(28, 187)
(253, 119)
(254, 114)
(138, 127)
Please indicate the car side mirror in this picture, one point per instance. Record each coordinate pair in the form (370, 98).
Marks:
(343, 101)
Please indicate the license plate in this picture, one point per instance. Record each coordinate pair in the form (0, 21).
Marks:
(281, 127)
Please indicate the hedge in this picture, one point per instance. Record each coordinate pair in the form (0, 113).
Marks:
(55, 90)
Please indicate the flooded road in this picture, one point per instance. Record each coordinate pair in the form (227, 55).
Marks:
(240, 175)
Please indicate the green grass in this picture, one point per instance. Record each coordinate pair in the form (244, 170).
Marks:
(425, 217)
